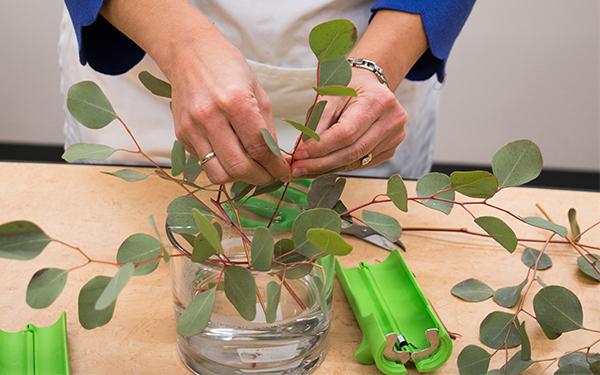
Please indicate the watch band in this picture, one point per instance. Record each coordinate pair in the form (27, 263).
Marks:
(369, 65)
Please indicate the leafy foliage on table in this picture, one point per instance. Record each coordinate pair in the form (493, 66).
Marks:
(315, 233)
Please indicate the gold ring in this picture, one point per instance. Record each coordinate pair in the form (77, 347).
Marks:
(366, 159)
(207, 158)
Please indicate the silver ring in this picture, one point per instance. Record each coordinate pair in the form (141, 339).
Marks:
(207, 158)
(366, 159)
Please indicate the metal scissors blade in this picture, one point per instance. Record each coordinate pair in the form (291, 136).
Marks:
(370, 235)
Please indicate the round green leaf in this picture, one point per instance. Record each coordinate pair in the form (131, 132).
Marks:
(396, 191)
(273, 295)
(494, 328)
(89, 317)
(337, 72)
(128, 175)
(115, 286)
(22, 240)
(45, 286)
(305, 130)
(155, 85)
(336, 91)
(558, 309)
(509, 296)
(499, 231)
(472, 290)
(333, 39)
(545, 224)
(579, 358)
(273, 146)
(328, 242)
(240, 189)
(473, 360)
(517, 163)
(177, 158)
(573, 370)
(181, 214)
(192, 169)
(430, 185)
(315, 218)
(208, 230)
(88, 105)
(78, 151)
(240, 289)
(325, 191)
(587, 268)
(202, 249)
(261, 251)
(196, 315)
(476, 184)
(530, 256)
(516, 364)
(139, 248)
(383, 224)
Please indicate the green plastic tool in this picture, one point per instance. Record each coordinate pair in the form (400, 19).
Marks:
(397, 321)
(35, 350)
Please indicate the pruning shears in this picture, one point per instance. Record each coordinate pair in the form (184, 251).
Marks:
(257, 212)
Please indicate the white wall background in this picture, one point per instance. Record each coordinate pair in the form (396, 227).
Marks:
(520, 69)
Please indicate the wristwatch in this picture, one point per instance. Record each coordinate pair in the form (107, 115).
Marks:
(369, 65)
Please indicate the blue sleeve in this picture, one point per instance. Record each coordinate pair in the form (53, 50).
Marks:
(101, 45)
(443, 20)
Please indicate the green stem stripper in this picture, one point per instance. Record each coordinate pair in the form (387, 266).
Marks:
(397, 321)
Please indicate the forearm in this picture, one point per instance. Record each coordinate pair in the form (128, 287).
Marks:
(394, 40)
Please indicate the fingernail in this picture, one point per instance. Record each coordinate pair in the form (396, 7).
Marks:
(298, 172)
(301, 155)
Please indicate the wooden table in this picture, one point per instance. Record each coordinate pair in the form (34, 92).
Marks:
(82, 207)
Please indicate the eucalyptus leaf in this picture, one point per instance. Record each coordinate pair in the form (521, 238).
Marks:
(267, 188)
(333, 39)
(284, 253)
(530, 256)
(208, 230)
(383, 224)
(473, 360)
(240, 189)
(587, 268)
(336, 91)
(595, 367)
(89, 317)
(202, 249)
(45, 286)
(517, 163)
(550, 335)
(337, 72)
(315, 218)
(558, 309)
(396, 191)
(181, 215)
(541, 282)
(328, 241)
(325, 191)
(516, 364)
(138, 248)
(545, 224)
(525, 343)
(297, 271)
(431, 184)
(472, 290)
(261, 251)
(575, 231)
(177, 158)
(273, 295)
(273, 146)
(87, 104)
(499, 231)
(196, 315)
(22, 240)
(475, 184)
(494, 329)
(128, 175)
(321, 293)
(192, 169)
(313, 116)
(240, 289)
(573, 370)
(509, 296)
(166, 255)
(579, 358)
(114, 287)
(156, 85)
(305, 130)
(78, 151)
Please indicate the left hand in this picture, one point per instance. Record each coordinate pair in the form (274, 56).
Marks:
(351, 128)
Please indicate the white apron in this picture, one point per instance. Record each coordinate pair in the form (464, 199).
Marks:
(273, 36)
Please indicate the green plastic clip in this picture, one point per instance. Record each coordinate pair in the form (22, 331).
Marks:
(398, 323)
(35, 350)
